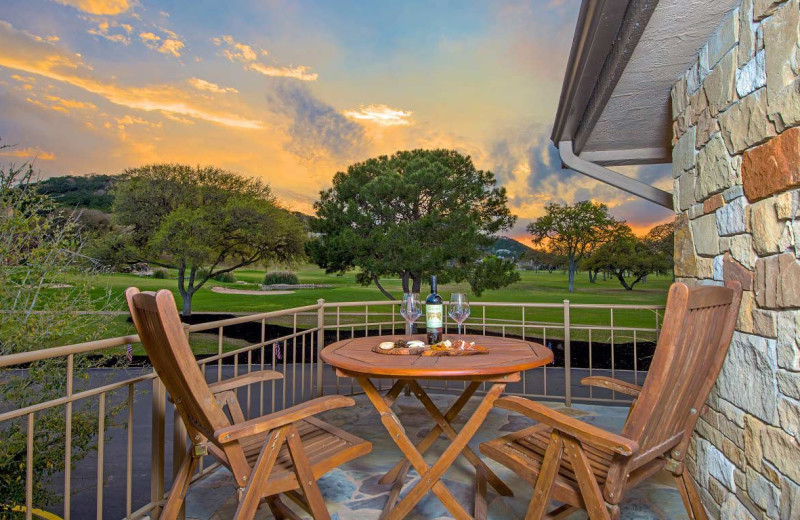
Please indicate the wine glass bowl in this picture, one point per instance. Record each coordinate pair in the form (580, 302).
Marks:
(410, 310)
(458, 309)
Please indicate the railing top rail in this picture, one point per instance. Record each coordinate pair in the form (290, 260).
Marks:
(199, 327)
(65, 350)
(509, 304)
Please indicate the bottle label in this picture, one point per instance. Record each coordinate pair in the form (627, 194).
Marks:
(433, 316)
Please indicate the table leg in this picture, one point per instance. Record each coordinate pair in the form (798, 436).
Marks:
(395, 429)
(395, 473)
(430, 478)
(445, 426)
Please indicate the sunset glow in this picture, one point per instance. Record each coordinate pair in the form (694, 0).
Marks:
(294, 91)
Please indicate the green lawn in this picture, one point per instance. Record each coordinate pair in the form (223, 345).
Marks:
(534, 288)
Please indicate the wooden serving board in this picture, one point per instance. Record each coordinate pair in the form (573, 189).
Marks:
(457, 352)
(404, 351)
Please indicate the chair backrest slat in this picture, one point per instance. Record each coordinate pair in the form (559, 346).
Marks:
(697, 330)
(161, 332)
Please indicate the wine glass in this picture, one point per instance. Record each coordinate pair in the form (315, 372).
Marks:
(410, 310)
(458, 309)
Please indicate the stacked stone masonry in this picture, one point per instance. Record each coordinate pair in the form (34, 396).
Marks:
(736, 169)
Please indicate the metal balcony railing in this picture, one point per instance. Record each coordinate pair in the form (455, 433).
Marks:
(624, 345)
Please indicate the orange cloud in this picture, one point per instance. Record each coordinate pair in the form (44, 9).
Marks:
(98, 7)
(103, 30)
(302, 73)
(28, 153)
(24, 52)
(247, 54)
(171, 45)
(201, 84)
(381, 115)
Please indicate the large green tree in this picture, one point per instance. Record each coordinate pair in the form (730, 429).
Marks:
(573, 231)
(202, 221)
(411, 215)
(627, 255)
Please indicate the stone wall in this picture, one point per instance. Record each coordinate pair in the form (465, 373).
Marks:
(736, 168)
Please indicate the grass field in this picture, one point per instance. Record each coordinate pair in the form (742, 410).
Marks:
(534, 287)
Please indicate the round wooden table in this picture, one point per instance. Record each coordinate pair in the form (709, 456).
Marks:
(506, 359)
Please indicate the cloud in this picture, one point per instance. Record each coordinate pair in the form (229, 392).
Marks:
(381, 115)
(99, 7)
(103, 30)
(316, 130)
(167, 45)
(301, 72)
(24, 52)
(28, 153)
(201, 84)
(238, 52)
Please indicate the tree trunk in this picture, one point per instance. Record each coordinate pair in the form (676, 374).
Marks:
(404, 278)
(573, 267)
(417, 283)
(621, 279)
(380, 287)
(187, 305)
(592, 276)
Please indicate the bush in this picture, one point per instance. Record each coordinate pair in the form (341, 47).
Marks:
(280, 277)
(228, 277)
(160, 274)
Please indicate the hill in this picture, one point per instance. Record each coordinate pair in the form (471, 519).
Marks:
(91, 191)
(515, 248)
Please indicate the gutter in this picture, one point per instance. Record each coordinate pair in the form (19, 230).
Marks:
(618, 180)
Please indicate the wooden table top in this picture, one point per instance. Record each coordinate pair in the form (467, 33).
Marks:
(506, 356)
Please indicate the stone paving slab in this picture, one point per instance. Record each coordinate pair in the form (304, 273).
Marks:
(352, 493)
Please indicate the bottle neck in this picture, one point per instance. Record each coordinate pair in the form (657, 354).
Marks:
(433, 284)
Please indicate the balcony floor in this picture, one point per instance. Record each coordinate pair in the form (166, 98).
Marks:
(352, 491)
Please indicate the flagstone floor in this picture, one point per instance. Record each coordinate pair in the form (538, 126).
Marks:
(352, 492)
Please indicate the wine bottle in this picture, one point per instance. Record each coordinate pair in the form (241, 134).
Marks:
(433, 314)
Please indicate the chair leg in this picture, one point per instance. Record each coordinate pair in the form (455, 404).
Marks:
(180, 486)
(547, 476)
(691, 498)
(596, 507)
(305, 476)
(279, 509)
(258, 478)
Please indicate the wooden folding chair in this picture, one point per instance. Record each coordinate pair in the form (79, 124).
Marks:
(281, 452)
(586, 467)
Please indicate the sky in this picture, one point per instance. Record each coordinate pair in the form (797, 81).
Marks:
(294, 91)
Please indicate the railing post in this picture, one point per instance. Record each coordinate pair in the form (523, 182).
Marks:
(567, 357)
(320, 343)
(157, 450)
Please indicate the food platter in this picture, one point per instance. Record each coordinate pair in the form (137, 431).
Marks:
(418, 348)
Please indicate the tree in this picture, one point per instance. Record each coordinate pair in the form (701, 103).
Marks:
(573, 231)
(543, 259)
(46, 298)
(202, 221)
(411, 215)
(492, 272)
(625, 254)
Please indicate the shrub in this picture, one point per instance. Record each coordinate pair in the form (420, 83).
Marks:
(228, 277)
(280, 277)
(160, 274)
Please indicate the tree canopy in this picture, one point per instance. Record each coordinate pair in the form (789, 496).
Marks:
(627, 254)
(202, 221)
(411, 215)
(573, 231)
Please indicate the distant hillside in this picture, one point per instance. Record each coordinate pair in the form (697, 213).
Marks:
(517, 249)
(92, 191)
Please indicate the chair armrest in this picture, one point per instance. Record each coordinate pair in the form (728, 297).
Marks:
(282, 418)
(613, 384)
(580, 430)
(245, 379)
